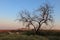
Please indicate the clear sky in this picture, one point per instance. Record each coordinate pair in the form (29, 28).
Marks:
(10, 8)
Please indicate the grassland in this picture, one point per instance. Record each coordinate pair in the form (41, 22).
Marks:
(30, 36)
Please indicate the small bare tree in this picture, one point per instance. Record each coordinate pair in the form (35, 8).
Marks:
(43, 16)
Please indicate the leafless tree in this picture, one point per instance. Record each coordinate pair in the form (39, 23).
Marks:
(42, 15)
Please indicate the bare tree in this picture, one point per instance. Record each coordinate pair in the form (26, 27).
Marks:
(43, 16)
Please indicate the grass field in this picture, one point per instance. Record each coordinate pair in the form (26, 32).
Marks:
(22, 37)
(29, 36)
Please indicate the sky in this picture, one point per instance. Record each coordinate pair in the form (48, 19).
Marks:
(9, 10)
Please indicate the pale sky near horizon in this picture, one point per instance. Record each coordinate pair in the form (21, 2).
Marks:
(10, 8)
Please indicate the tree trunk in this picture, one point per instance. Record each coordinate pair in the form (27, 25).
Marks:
(38, 30)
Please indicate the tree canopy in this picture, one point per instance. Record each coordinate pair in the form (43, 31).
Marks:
(42, 15)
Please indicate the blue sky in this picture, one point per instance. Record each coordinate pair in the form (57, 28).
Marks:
(10, 8)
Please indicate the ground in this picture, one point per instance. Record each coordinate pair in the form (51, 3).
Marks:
(26, 36)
